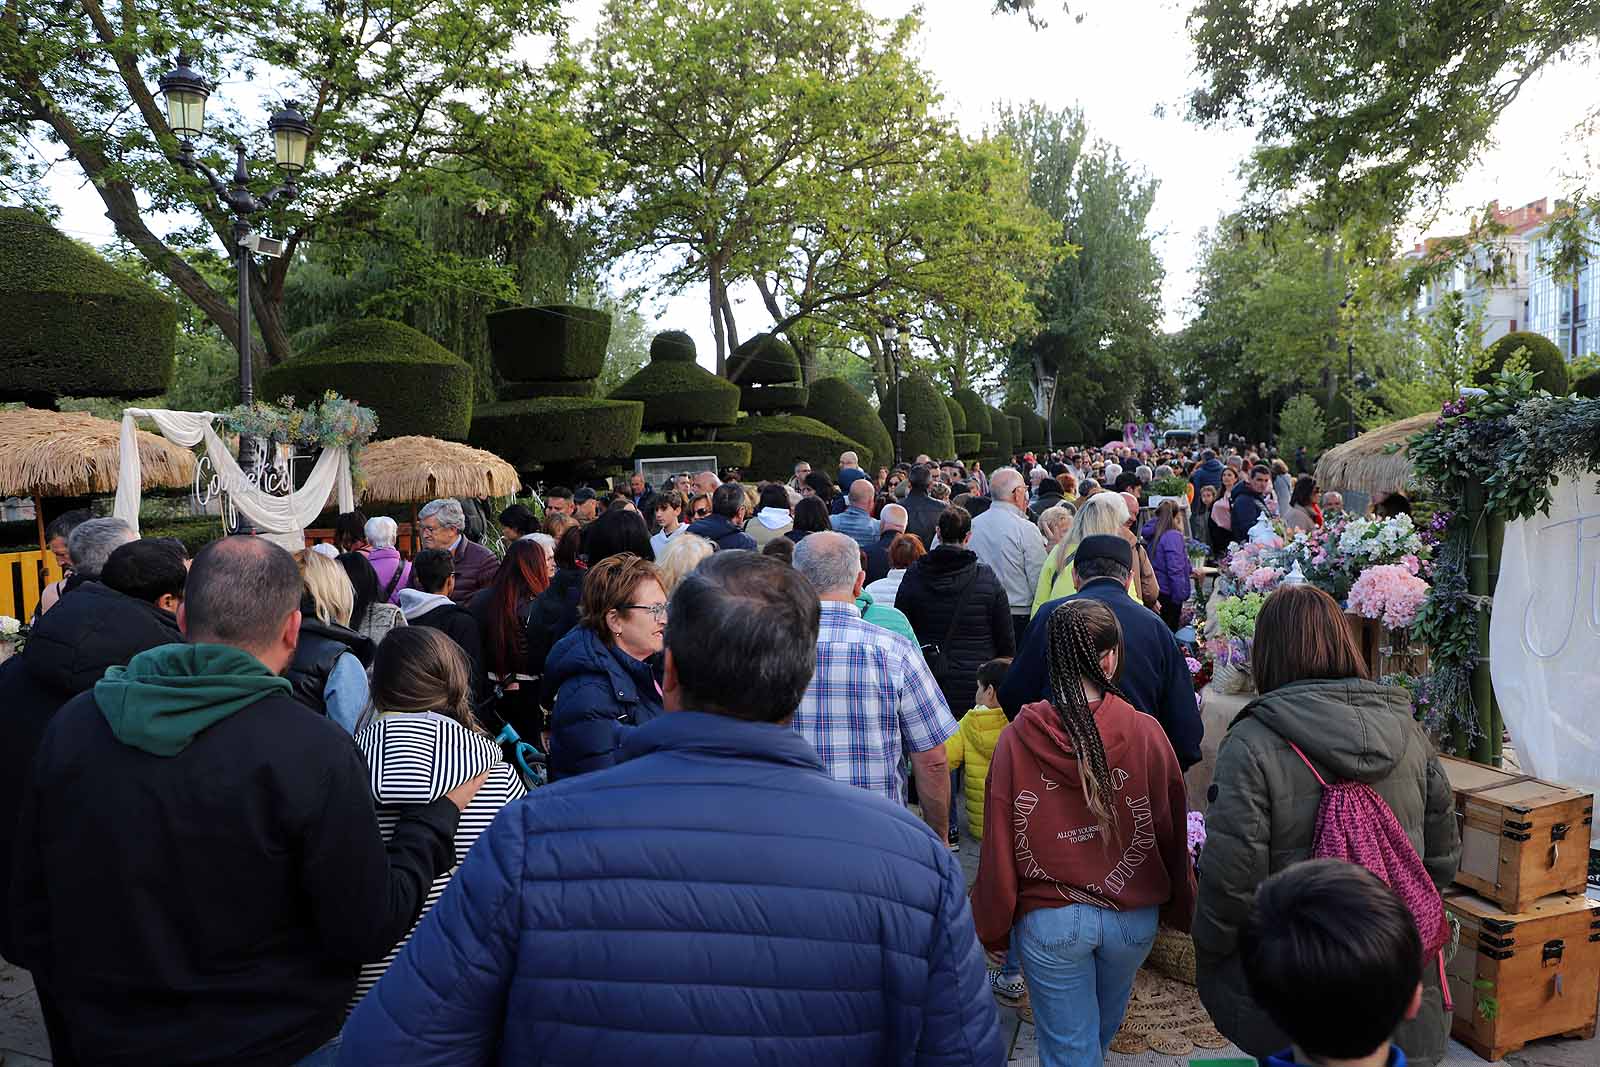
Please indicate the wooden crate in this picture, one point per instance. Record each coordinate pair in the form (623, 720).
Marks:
(1521, 976)
(1521, 838)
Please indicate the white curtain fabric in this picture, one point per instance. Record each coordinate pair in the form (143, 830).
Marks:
(276, 515)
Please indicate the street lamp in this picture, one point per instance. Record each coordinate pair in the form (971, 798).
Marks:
(185, 92)
(891, 335)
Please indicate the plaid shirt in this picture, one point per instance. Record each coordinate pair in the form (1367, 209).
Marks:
(871, 700)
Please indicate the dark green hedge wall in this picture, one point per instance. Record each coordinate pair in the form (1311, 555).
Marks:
(835, 402)
(415, 385)
(927, 422)
(728, 453)
(958, 414)
(764, 360)
(530, 390)
(978, 417)
(1031, 423)
(680, 396)
(778, 442)
(556, 430)
(672, 346)
(773, 399)
(1588, 385)
(1544, 359)
(561, 342)
(969, 445)
(1004, 443)
(73, 325)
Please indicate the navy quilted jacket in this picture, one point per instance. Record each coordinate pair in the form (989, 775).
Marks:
(715, 898)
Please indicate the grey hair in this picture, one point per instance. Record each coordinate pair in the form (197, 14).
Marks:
(1163, 471)
(448, 512)
(1054, 518)
(829, 561)
(894, 517)
(91, 543)
(381, 531)
(1143, 473)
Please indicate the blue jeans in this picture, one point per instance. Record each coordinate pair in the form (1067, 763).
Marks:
(326, 1056)
(1079, 962)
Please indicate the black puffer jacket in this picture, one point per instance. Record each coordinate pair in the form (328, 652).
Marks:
(553, 615)
(936, 585)
(68, 650)
(321, 645)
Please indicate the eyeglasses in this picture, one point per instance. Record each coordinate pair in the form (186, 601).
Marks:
(700, 513)
(658, 612)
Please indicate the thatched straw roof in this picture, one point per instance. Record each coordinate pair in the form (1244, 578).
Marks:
(72, 453)
(1371, 463)
(408, 469)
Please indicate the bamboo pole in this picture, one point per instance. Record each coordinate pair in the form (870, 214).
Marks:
(44, 549)
(1478, 585)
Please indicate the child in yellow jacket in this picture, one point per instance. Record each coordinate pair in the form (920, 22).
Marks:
(970, 748)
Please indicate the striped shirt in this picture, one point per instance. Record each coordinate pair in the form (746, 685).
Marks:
(871, 700)
(418, 758)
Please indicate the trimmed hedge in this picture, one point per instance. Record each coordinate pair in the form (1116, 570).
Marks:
(1016, 432)
(778, 442)
(530, 390)
(1031, 424)
(958, 414)
(773, 399)
(969, 445)
(73, 325)
(415, 384)
(672, 346)
(1588, 385)
(1544, 359)
(764, 360)
(728, 453)
(1004, 443)
(835, 402)
(680, 396)
(927, 422)
(557, 429)
(1069, 431)
(560, 342)
(979, 420)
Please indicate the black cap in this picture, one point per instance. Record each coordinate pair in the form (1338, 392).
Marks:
(583, 495)
(1105, 546)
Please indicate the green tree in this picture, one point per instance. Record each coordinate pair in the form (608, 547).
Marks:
(407, 97)
(1300, 425)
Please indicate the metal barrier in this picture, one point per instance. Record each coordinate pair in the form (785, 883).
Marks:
(20, 583)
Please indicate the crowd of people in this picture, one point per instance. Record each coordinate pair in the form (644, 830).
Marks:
(258, 806)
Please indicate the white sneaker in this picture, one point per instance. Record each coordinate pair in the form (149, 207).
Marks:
(1008, 991)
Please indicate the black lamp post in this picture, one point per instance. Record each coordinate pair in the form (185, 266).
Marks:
(185, 92)
(891, 335)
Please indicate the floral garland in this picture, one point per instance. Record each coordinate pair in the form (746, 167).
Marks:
(1514, 442)
(332, 422)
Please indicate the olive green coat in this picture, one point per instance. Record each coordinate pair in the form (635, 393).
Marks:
(1262, 814)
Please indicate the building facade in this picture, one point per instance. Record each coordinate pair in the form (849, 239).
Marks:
(1494, 277)
(1566, 310)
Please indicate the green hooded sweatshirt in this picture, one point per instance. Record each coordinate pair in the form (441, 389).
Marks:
(165, 696)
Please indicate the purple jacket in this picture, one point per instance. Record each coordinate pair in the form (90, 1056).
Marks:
(475, 569)
(1170, 559)
(386, 561)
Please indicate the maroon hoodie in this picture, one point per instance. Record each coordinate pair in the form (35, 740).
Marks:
(1043, 847)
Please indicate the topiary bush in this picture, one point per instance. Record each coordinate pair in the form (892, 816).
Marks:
(835, 402)
(1030, 425)
(530, 390)
(728, 453)
(969, 446)
(73, 325)
(764, 360)
(680, 396)
(1588, 385)
(557, 430)
(1004, 443)
(958, 415)
(773, 399)
(778, 442)
(1068, 430)
(672, 346)
(1016, 432)
(1543, 357)
(415, 384)
(978, 413)
(551, 342)
(927, 422)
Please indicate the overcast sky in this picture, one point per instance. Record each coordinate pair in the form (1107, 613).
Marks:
(1129, 65)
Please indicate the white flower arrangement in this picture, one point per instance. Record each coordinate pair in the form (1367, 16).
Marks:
(9, 627)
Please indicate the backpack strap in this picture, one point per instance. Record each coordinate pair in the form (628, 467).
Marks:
(1307, 762)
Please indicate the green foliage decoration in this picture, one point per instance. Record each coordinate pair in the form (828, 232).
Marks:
(778, 442)
(978, 413)
(927, 422)
(330, 421)
(73, 325)
(415, 385)
(561, 342)
(557, 430)
(1540, 354)
(958, 415)
(773, 399)
(680, 396)
(728, 453)
(835, 402)
(764, 359)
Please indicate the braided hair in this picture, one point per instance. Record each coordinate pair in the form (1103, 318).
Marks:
(1080, 631)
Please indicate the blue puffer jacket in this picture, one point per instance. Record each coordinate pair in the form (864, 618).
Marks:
(715, 899)
(601, 694)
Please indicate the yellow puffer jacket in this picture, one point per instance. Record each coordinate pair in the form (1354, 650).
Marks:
(970, 749)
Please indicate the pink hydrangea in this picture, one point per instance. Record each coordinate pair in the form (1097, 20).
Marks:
(1197, 833)
(1391, 593)
(1263, 578)
(1412, 564)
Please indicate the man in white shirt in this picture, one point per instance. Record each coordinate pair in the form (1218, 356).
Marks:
(1010, 544)
(669, 507)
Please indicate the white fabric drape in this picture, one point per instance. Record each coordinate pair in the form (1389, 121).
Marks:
(273, 514)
